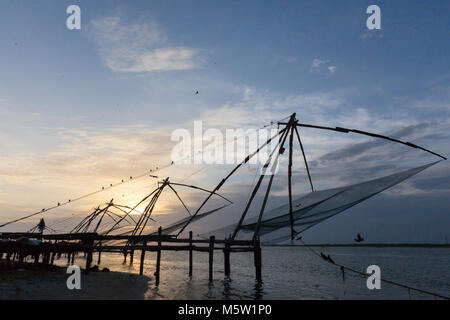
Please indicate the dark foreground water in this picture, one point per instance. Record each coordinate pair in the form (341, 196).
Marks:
(294, 273)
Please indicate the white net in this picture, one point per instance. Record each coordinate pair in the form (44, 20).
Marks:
(314, 208)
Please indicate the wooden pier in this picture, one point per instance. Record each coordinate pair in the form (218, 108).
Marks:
(15, 247)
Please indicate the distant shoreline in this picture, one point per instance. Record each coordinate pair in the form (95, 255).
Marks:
(378, 245)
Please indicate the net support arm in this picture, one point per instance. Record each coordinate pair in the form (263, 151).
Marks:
(373, 135)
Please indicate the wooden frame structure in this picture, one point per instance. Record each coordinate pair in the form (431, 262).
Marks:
(80, 240)
(72, 244)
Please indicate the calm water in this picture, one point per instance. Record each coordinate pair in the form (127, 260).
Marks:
(295, 273)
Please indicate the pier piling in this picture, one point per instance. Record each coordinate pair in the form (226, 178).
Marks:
(257, 257)
(92, 243)
(141, 267)
(226, 259)
(190, 253)
(211, 257)
(158, 257)
(99, 260)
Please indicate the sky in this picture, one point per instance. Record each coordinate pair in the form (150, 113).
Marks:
(80, 109)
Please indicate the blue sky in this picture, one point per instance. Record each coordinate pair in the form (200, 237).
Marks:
(81, 108)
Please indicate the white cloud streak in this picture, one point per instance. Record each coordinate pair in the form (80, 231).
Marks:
(139, 46)
(323, 66)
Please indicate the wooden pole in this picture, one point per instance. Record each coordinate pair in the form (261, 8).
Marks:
(269, 186)
(304, 157)
(211, 256)
(190, 253)
(131, 257)
(89, 257)
(158, 257)
(99, 254)
(225, 179)
(257, 256)
(141, 268)
(21, 257)
(226, 259)
(52, 259)
(291, 216)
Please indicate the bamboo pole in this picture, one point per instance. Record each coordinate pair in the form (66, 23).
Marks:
(291, 216)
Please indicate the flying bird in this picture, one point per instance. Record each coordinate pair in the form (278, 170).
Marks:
(196, 92)
(358, 238)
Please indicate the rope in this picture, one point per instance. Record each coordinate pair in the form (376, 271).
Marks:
(364, 275)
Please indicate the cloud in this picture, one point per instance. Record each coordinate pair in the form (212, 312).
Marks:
(323, 66)
(138, 45)
(84, 159)
(318, 62)
(332, 69)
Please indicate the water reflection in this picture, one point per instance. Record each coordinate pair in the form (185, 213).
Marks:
(258, 290)
(425, 268)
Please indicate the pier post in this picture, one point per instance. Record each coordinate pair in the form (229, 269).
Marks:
(257, 256)
(211, 256)
(141, 268)
(99, 254)
(21, 258)
(190, 253)
(158, 256)
(88, 262)
(46, 257)
(131, 257)
(226, 259)
(89, 257)
(52, 259)
(73, 258)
